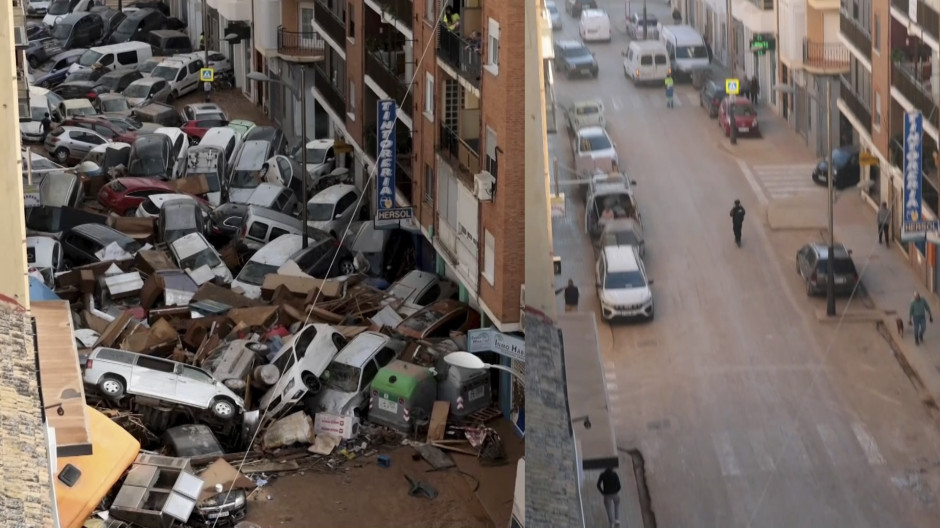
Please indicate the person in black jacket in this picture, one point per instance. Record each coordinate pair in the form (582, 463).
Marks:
(737, 219)
(571, 296)
(609, 486)
(44, 125)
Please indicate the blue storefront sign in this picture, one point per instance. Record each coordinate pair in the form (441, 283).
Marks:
(385, 158)
(911, 222)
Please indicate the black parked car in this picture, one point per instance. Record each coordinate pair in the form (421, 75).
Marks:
(573, 59)
(151, 157)
(138, 25)
(846, 170)
(80, 29)
(180, 218)
(710, 97)
(166, 42)
(225, 221)
(82, 243)
(110, 19)
(85, 75)
(116, 81)
(71, 89)
(812, 261)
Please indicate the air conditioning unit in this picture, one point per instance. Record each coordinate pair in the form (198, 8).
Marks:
(19, 37)
(483, 186)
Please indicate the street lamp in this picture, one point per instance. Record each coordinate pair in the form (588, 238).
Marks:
(469, 361)
(260, 77)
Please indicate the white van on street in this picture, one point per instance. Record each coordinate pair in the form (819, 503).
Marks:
(595, 25)
(646, 61)
(686, 49)
(113, 57)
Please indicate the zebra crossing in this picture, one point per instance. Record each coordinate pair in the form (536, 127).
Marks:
(652, 99)
(787, 180)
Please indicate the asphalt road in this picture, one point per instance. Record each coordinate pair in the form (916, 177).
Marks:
(748, 411)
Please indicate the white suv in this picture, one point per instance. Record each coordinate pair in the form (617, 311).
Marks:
(622, 285)
(182, 75)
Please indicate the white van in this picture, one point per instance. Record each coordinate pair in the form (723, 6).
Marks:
(223, 138)
(686, 49)
(646, 61)
(41, 102)
(59, 9)
(182, 74)
(595, 25)
(113, 57)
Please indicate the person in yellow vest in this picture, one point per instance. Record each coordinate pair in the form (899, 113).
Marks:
(669, 90)
(451, 19)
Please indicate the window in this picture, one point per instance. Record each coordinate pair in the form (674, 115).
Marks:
(430, 11)
(876, 32)
(368, 373)
(155, 364)
(352, 99)
(306, 19)
(277, 232)
(489, 257)
(491, 147)
(196, 374)
(352, 22)
(429, 97)
(877, 123)
(258, 230)
(384, 356)
(429, 296)
(428, 185)
(492, 48)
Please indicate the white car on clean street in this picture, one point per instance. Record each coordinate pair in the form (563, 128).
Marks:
(594, 151)
(622, 285)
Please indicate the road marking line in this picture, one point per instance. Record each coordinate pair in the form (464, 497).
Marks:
(749, 176)
(872, 453)
(726, 458)
(758, 442)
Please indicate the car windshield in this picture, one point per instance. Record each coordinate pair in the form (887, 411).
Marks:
(316, 156)
(587, 110)
(178, 220)
(342, 377)
(147, 66)
(36, 113)
(62, 31)
(89, 57)
(595, 142)
(59, 7)
(576, 53)
(147, 165)
(114, 105)
(744, 109)
(206, 257)
(254, 272)
(137, 90)
(81, 110)
(841, 157)
(621, 280)
(319, 211)
(691, 52)
(621, 238)
(400, 290)
(165, 72)
(247, 179)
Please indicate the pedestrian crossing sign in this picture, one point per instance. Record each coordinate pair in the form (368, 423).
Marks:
(207, 75)
(732, 86)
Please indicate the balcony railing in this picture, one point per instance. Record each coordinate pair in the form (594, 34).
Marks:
(854, 33)
(462, 54)
(332, 25)
(858, 109)
(928, 19)
(403, 10)
(915, 88)
(462, 153)
(900, 5)
(332, 94)
(307, 44)
(826, 56)
(384, 75)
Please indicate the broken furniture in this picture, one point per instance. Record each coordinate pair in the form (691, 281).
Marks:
(157, 491)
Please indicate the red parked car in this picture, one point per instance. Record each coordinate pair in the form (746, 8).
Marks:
(123, 195)
(200, 117)
(745, 117)
(103, 126)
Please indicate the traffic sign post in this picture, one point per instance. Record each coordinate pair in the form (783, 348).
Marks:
(732, 86)
(207, 75)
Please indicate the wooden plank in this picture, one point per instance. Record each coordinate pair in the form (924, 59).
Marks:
(447, 447)
(438, 420)
(114, 330)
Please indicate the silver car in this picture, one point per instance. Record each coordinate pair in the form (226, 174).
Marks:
(147, 90)
(69, 143)
(333, 208)
(118, 372)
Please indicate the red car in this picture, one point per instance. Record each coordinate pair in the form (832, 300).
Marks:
(745, 117)
(200, 117)
(103, 126)
(123, 195)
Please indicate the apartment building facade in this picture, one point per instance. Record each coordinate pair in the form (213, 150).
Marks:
(895, 56)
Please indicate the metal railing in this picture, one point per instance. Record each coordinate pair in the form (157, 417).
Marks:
(384, 75)
(464, 156)
(400, 9)
(859, 37)
(825, 55)
(300, 43)
(463, 55)
(332, 95)
(859, 109)
(332, 25)
(929, 19)
(915, 90)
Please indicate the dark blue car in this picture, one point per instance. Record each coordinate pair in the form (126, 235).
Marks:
(54, 71)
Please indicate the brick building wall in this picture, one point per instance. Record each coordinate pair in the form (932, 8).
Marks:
(425, 132)
(25, 491)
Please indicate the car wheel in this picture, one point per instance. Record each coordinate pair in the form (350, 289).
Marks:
(111, 387)
(652, 314)
(223, 408)
(311, 382)
(347, 267)
(61, 155)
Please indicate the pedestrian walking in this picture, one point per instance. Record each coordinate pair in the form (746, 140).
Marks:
(737, 220)
(755, 89)
(44, 125)
(884, 218)
(609, 486)
(917, 316)
(571, 296)
(670, 89)
(745, 88)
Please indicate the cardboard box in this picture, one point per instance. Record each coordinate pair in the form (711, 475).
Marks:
(345, 426)
(152, 291)
(214, 292)
(87, 281)
(151, 261)
(195, 185)
(301, 286)
(136, 228)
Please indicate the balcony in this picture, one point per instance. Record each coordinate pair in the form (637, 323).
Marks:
(461, 153)
(384, 74)
(928, 19)
(330, 93)
(825, 57)
(462, 55)
(332, 25)
(855, 105)
(914, 86)
(403, 10)
(300, 46)
(854, 33)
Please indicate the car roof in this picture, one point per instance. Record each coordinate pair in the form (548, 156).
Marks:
(822, 250)
(164, 199)
(569, 43)
(148, 140)
(594, 12)
(271, 214)
(648, 45)
(278, 250)
(587, 103)
(148, 80)
(320, 143)
(76, 15)
(111, 95)
(332, 193)
(621, 258)
(101, 231)
(361, 348)
(592, 131)
(224, 133)
(204, 107)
